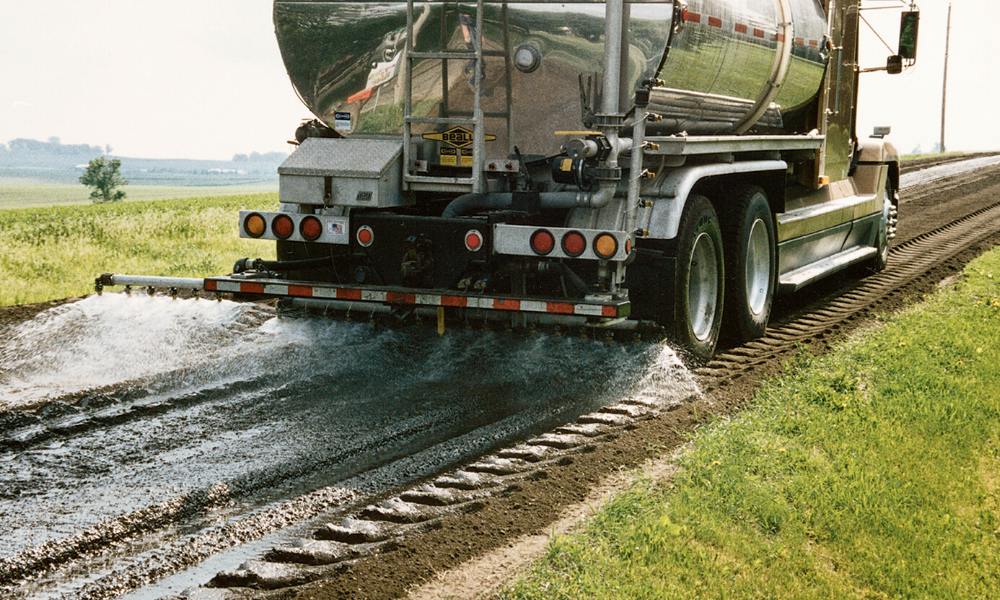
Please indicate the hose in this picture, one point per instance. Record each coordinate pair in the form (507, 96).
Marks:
(257, 264)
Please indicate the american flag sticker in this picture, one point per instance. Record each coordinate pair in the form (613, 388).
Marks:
(336, 230)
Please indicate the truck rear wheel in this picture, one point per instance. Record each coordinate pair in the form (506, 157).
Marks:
(748, 237)
(700, 279)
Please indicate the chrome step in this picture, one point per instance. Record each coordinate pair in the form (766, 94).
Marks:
(794, 280)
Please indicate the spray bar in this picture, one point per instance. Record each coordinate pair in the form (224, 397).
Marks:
(184, 283)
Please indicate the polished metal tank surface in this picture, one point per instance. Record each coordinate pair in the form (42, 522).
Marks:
(726, 58)
(727, 64)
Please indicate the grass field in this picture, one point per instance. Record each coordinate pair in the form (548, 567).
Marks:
(17, 194)
(57, 251)
(871, 472)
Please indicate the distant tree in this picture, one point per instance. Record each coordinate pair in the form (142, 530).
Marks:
(104, 176)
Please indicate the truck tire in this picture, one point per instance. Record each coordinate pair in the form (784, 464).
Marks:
(700, 279)
(881, 258)
(751, 265)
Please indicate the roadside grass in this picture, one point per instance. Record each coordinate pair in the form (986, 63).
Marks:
(56, 252)
(907, 157)
(870, 472)
(15, 194)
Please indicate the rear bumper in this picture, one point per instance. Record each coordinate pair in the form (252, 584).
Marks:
(592, 311)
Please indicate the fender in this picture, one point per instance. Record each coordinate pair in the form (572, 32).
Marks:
(671, 190)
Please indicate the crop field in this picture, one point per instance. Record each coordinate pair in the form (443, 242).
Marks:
(56, 252)
(24, 193)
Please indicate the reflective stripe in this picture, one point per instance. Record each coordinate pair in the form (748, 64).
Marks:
(390, 297)
(590, 310)
(532, 306)
(562, 308)
(504, 304)
(459, 301)
(277, 290)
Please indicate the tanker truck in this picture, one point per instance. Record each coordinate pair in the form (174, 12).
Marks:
(572, 164)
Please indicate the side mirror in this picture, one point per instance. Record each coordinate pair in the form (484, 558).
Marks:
(908, 25)
(881, 132)
(894, 65)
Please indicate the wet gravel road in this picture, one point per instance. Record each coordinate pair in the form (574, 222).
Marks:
(201, 413)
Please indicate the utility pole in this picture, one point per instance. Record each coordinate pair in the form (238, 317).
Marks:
(944, 85)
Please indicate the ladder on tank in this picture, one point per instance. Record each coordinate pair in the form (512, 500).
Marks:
(475, 182)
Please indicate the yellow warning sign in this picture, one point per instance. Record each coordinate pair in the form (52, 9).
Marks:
(450, 157)
(457, 137)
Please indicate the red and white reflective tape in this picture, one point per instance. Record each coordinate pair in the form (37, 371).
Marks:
(689, 16)
(413, 298)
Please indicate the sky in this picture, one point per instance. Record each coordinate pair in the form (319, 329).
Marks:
(204, 78)
(911, 102)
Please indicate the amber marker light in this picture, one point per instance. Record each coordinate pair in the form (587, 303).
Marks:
(605, 245)
(542, 242)
(573, 243)
(310, 228)
(254, 225)
(282, 227)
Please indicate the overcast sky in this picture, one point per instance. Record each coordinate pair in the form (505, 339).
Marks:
(203, 78)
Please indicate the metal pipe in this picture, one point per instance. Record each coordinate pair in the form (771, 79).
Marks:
(614, 9)
(256, 264)
(470, 203)
(185, 283)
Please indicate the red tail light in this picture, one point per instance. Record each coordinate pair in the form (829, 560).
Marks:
(282, 227)
(473, 241)
(365, 236)
(573, 243)
(310, 228)
(542, 242)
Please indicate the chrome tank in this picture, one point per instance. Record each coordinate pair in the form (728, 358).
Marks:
(734, 64)
(543, 62)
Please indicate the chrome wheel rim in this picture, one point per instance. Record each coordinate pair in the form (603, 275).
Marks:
(757, 275)
(703, 287)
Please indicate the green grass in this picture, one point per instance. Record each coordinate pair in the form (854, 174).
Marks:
(871, 472)
(56, 252)
(16, 194)
(907, 157)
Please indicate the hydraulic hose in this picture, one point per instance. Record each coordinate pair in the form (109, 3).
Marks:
(257, 264)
